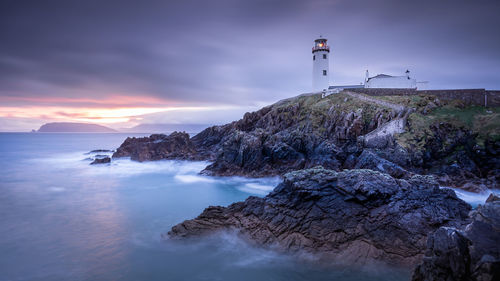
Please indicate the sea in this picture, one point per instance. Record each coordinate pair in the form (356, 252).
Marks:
(64, 219)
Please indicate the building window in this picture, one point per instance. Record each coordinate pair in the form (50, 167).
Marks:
(324, 56)
(314, 57)
(324, 72)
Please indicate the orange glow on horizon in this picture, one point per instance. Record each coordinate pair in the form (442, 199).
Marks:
(92, 115)
(121, 110)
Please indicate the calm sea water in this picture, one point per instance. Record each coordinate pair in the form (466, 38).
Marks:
(63, 219)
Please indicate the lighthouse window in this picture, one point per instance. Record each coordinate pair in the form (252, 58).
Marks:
(324, 56)
(324, 72)
(314, 57)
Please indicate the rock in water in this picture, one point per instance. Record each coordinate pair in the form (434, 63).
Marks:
(99, 151)
(492, 198)
(354, 216)
(158, 146)
(102, 160)
(470, 254)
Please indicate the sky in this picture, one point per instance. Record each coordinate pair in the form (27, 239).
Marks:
(121, 62)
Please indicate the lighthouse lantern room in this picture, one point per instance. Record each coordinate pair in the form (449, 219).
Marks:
(321, 72)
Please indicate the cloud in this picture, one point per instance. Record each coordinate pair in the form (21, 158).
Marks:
(109, 54)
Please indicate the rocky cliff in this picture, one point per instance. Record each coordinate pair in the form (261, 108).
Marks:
(289, 135)
(471, 253)
(354, 216)
(399, 135)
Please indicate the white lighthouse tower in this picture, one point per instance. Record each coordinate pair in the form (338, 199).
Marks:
(321, 72)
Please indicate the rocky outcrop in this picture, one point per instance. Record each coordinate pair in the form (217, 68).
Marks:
(468, 254)
(158, 146)
(292, 134)
(99, 151)
(369, 160)
(101, 160)
(354, 216)
(454, 156)
(342, 131)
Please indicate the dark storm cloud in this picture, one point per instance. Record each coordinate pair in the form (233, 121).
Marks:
(237, 51)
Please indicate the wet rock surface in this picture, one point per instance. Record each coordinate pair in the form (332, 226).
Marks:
(101, 160)
(354, 216)
(177, 145)
(471, 253)
(100, 151)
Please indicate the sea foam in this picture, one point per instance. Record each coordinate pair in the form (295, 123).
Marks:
(474, 199)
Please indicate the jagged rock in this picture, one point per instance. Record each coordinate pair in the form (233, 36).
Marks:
(158, 146)
(99, 151)
(473, 186)
(289, 135)
(100, 156)
(308, 130)
(354, 216)
(369, 160)
(492, 198)
(102, 160)
(471, 253)
(452, 153)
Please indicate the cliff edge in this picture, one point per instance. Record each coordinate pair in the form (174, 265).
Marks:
(399, 135)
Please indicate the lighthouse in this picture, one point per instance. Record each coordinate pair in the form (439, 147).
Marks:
(321, 72)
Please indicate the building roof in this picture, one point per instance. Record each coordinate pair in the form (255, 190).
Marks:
(381, 76)
(346, 87)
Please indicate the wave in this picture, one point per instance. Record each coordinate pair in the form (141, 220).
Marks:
(186, 178)
(257, 188)
(182, 171)
(121, 166)
(474, 199)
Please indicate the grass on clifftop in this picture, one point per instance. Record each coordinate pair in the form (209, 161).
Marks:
(313, 109)
(485, 122)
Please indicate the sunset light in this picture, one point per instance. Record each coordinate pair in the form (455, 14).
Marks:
(95, 115)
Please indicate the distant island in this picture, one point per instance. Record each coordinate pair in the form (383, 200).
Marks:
(68, 127)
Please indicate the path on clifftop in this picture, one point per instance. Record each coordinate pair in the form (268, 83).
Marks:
(397, 107)
(378, 137)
